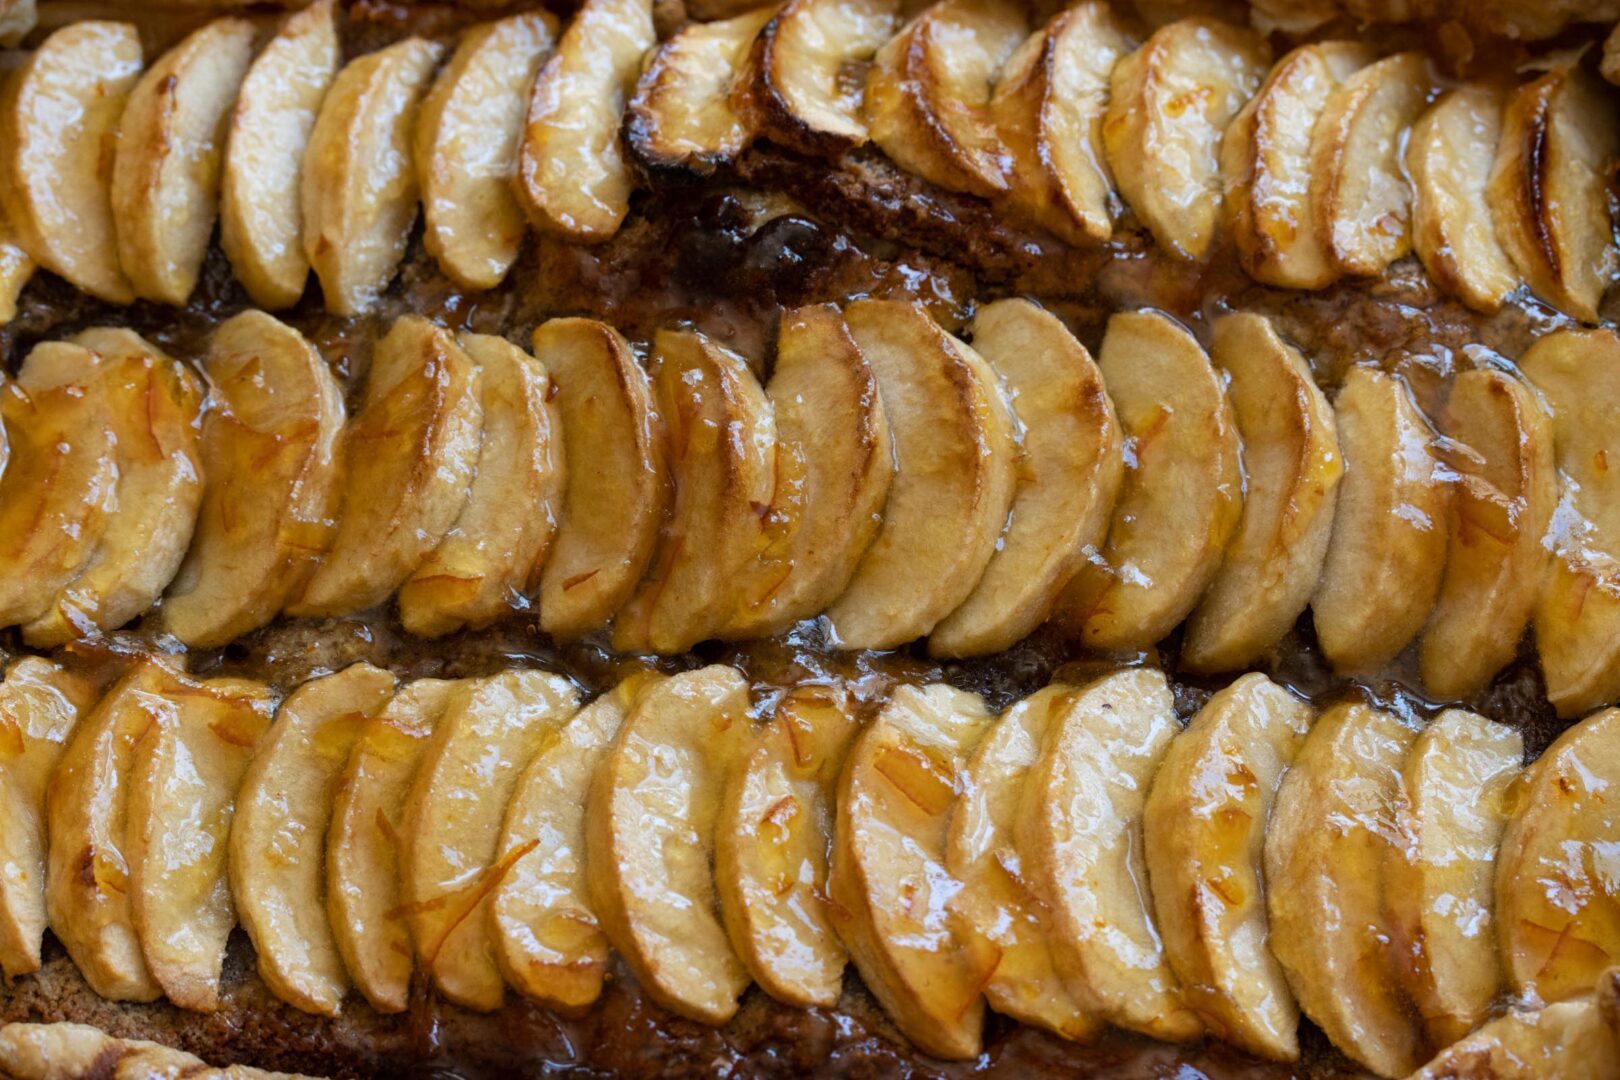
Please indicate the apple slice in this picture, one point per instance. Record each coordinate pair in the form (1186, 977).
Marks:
(888, 882)
(1266, 166)
(1449, 155)
(261, 220)
(954, 448)
(358, 185)
(1557, 904)
(171, 142)
(363, 844)
(16, 268)
(63, 1051)
(1388, 549)
(650, 834)
(928, 93)
(1048, 108)
(616, 491)
(1003, 923)
(572, 176)
(1549, 188)
(1182, 494)
(483, 566)
(467, 146)
(412, 454)
(1204, 831)
(1571, 1038)
(450, 861)
(278, 838)
(186, 770)
(1291, 472)
(834, 469)
(1332, 832)
(1069, 472)
(56, 174)
(40, 702)
(1497, 553)
(722, 447)
(1169, 103)
(17, 18)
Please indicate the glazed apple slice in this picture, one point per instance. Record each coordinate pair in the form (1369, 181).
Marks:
(17, 18)
(649, 840)
(616, 491)
(1571, 1038)
(171, 142)
(278, 838)
(467, 145)
(16, 268)
(261, 220)
(63, 1051)
(954, 449)
(484, 563)
(1069, 473)
(450, 861)
(358, 184)
(1291, 472)
(55, 176)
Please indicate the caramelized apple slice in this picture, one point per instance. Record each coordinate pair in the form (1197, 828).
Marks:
(649, 838)
(572, 176)
(954, 448)
(616, 490)
(467, 145)
(1388, 549)
(449, 859)
(1332, 832)
(261, 221)
(1069, 472)
(278, 839)
(412, 453)
(1496, 557)
(171, 140)
(1571, 1038)
(56, 174)
(64, 1051)
(1291, 473)
(16, 268)
(17, 18)
(484, 564)
(359, 186)
(1182, 495)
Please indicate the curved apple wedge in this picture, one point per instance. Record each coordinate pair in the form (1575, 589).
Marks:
(64, 1051)
(1571, 1038)
(650, 834)
(16, 268)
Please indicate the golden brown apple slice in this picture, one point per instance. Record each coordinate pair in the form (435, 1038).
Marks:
(1204, 833)
(56, 174)
(1291, 473)
(261, 221)
(1496, 557)
(411, 454)
(450, 861)
(682, 115)
(171, 141)
(1549, 188)
(40, 702)
(616, 491)
(278, 838)
(1003, 923)
(363, 895)
(182, 795)
(1182, 494)
(1331, 833)
(649, 840)
(1388, 549)
(1048, 108)
(17, 18)
(888, 882)
(834, 469)
(16, 268)
(483, 566)
(572, 176)
(1449, 154)
(1571, 1038)
(358, 184)
(1069, 472)
(953, 445)
(1169, 103)
(467, 146)
(63, 1051)
(722, 447)
(1266, 167)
